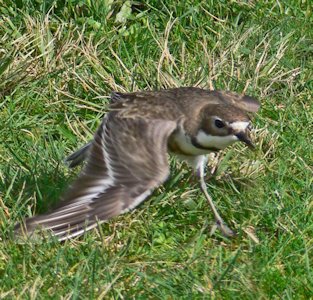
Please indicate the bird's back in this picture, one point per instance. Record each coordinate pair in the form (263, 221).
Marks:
(170, 104)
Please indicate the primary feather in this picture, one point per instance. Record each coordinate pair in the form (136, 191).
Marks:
(112, 181)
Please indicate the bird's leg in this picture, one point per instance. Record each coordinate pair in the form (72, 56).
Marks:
(219, 222)
(214, 160)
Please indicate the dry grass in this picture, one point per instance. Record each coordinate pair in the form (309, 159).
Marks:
(57, 69)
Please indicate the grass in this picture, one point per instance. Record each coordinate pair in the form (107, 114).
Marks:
(58, 63)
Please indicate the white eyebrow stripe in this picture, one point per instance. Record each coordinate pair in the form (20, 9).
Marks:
(239, 125)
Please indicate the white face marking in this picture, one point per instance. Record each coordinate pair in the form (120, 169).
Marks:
(239, 126)
(208, 141)
(221, 142)
(213, 141)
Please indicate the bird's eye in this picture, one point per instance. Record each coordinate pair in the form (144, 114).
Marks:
(219, 123)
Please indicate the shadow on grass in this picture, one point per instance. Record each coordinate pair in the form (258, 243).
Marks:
(47, 186)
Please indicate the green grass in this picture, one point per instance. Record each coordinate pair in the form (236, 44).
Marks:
(58, 63)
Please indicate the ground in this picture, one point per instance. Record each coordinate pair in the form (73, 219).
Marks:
(59, 61)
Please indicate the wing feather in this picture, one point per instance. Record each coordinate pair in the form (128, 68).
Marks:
(126, 161)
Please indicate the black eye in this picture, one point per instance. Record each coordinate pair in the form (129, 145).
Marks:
(219, 124)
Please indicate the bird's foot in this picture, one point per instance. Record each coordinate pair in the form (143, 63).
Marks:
(225, 230)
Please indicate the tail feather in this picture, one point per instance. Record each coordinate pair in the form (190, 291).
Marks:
(78, 156)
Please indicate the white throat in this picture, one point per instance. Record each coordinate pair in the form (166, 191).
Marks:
(207, 140)
(221, 142)
(213, 141)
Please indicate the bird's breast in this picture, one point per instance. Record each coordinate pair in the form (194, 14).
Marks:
(202, 143)
(181, 143)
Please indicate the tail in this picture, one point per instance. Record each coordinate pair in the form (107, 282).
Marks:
(78, 156)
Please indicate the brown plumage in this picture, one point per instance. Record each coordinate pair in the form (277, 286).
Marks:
(127, 158)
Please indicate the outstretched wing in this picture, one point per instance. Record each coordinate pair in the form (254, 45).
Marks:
(126, 161)
(80, 155)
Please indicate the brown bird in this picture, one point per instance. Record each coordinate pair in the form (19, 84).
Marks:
(127, 159)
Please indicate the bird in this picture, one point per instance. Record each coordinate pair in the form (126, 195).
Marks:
(128, 156)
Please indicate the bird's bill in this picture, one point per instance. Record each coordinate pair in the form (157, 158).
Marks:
(244, 137)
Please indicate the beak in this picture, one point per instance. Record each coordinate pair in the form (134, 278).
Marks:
(244, 136)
